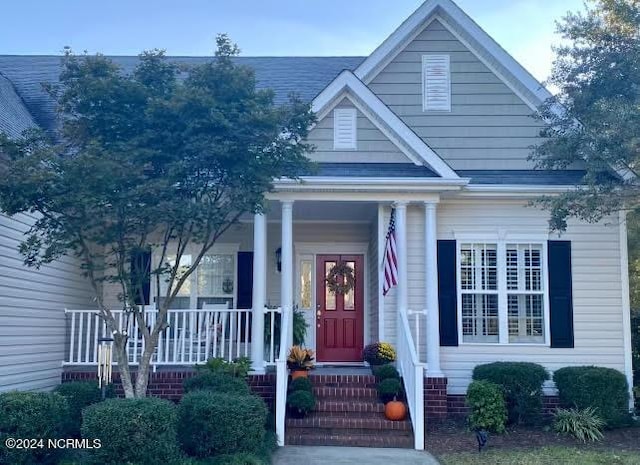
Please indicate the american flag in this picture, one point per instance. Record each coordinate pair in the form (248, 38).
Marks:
(390, 262)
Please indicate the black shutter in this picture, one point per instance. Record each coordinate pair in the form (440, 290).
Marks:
(560, 294)
(140, 276)
(245, 280)
(447, 293)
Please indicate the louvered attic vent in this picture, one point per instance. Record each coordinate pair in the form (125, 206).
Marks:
(345, 128)
(436, 83)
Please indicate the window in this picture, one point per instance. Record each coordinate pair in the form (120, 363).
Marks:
(306, 275)
(479, 288)
(345, 130)
(502, 292)
(525, 296)
(436, 83)
(213, 282)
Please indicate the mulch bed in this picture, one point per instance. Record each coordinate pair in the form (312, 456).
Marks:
(453, 436)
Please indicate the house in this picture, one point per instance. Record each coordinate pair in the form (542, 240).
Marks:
(435, 126)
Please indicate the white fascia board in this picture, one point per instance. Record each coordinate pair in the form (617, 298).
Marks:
(372, 184)
(421, 18)
(348, 81)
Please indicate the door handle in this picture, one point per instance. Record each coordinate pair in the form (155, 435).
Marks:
(318, 314)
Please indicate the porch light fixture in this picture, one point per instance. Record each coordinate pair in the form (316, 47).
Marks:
(279, 259)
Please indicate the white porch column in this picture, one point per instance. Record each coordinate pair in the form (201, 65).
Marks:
(286, 285)
(401, 246)
(431, 290)
(259, 291)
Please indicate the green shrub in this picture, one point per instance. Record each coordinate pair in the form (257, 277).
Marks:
(604, 389)
(521, 383)
(31, 415)
(238, 368)
(389, 388)
(583, 424)
(301, 384)
(379, 353)
(217, 382)
(140, 431)
(488, 408)
(385, 372)
(80, 394)
(300, 403)
(212, 423)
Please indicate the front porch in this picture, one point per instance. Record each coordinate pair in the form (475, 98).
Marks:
(276, 262)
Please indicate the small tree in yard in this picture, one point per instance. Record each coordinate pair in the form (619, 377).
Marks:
(148, 160)
(595, 117)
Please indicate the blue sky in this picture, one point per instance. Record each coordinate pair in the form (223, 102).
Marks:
(525, 28)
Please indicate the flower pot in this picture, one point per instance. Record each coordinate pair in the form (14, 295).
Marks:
(295, 374)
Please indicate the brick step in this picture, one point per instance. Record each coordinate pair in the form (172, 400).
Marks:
(323, 392)
(353, 421)
(328, 404)
(368, 381)
(349, 439)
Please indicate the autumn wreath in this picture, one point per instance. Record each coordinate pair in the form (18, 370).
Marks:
(340, 279)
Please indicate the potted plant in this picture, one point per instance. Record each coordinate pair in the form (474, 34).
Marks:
(379, 353)
(389, 389)
(300, 403)
(300, 361)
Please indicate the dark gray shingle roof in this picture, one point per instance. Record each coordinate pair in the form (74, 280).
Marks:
(374, 170)
(14, 116)
(524, 177)
(306, 76)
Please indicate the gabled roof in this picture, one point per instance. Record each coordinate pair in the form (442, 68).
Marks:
(305, 76)
(14, 116)
(347, 84)
(471, 35)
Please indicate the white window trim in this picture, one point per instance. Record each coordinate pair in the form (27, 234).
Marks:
(217, 249)
(352, 113)
(503, 316)
(425, 108)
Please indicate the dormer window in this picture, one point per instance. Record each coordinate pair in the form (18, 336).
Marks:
(436, 83)
(345, 129)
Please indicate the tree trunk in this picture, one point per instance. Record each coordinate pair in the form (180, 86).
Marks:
(120, 349)
(142, 378)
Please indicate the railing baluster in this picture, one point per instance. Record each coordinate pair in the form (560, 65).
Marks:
(238, 332)
(200, 319)
(272, 342)
(247, 315)
(94, 352)
(207, 328)
(73, 336)
(216, 321)
(135, 340)
(183, 336)
(80, 334)
(223, 334)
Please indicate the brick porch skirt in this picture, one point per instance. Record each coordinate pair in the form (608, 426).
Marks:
(167, 384)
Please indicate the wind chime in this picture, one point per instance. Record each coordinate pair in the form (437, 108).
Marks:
(105, 358)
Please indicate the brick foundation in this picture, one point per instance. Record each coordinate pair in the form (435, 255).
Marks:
(167, 384)
(435, 398)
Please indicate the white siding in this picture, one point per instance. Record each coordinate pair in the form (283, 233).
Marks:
(372, 145)
(489, 126)
(32, 319)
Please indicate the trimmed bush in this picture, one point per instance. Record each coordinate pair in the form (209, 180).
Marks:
(604, 389)
(299, 403)
(387, 371)
(301, 384)
(31, 415)
(583, 424)
(388, 389)
(140, 431)
(212, 423)
(79, 394)
(217, 382)
(488, 408)
(521, 383)
(238, 368)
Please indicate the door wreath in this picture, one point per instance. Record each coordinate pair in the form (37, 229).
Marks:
(340, 279)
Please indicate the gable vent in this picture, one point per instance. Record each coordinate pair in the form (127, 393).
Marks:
(345, 128)
(436, 88)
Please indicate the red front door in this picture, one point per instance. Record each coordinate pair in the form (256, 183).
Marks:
(339, 318)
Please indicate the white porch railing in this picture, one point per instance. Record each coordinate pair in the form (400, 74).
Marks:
(412, 372)
(282, 378)
(191, 337)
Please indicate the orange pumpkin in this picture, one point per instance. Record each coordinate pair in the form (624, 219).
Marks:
(299, 374)
(395, 410)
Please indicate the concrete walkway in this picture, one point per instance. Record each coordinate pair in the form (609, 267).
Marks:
(307, 455)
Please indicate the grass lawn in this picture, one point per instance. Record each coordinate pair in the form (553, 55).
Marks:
(556, 455)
